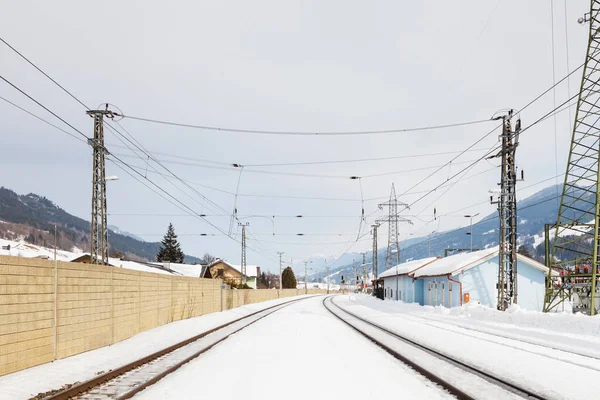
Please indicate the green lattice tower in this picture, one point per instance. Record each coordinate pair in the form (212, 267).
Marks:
(574, 254)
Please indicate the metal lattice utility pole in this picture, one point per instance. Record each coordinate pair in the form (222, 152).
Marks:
(280, 271)
(99, 225)
(243, 265)
(375, 265)
(392, 256)
(576, 240)
(507, 209)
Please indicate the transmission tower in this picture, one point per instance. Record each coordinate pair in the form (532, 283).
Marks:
(99, 225)
(392, 256)
(243, 266)
(374, 257)
(507, 210)
(575, 245)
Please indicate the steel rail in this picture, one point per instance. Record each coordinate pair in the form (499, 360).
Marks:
(86, 386)
(453, 389)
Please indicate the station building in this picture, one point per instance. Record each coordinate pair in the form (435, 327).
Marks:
(463, 278)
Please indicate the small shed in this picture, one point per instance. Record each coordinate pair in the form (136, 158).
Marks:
(398, 282)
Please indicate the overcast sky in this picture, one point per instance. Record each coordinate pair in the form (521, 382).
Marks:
(290, 66)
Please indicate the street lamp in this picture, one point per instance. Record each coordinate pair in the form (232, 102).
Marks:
(429, 244)
(306, 275)
(395, 251)
(470, 233)
(107, 179)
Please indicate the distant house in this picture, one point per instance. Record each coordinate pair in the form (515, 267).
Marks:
(464, 278)
(221, 269)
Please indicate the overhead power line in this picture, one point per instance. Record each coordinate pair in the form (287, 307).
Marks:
(298, 163)
(304, 133)
(43, 120)
(296, 174)
(43, 106)
(183, 206)
(43, 73)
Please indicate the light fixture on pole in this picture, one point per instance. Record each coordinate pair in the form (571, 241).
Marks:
(306, 276)
(107, 179)
(429, 244)
(470, 233)
(395, 251)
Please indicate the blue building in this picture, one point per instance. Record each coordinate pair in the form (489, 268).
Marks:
(466, 278)
(398, 282)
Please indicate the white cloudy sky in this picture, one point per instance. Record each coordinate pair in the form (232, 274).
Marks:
(291, 66)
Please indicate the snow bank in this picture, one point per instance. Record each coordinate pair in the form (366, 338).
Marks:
(560, 321)
(515, 316)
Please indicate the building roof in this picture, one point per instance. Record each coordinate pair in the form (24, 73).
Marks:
(407, 267)
(251, 270)
(132, 265)
(191, 270)
(450, 264)
(459, 263)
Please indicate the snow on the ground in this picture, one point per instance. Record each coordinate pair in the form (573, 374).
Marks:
(299, 352)
(24, 249)
(28, 250)
(530, 348)
(561, 324)
(81, 367)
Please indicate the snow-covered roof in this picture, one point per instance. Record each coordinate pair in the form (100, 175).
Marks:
(407, 267)
(137, 266)
(191, 270)
(251, 270)
(457, 262)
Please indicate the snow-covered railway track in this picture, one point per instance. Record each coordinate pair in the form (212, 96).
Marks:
(550, 351)
(124, 382)
(457, 377)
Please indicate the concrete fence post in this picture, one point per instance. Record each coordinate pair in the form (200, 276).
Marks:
(139, 302)
(55, 307)
(112, 307)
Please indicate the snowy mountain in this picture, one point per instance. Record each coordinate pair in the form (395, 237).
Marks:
(32, 218)
(533, 212)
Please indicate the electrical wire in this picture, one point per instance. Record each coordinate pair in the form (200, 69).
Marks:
(43, 120)
(113, 156)
(304, 133)
(43, 73)
(43, 106)
(298, 163)
(554, 90)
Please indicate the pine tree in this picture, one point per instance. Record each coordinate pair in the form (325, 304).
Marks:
(288, 279)
(170, 249)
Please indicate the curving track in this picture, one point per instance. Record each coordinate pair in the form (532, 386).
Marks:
(126, 381)
(462, 380)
